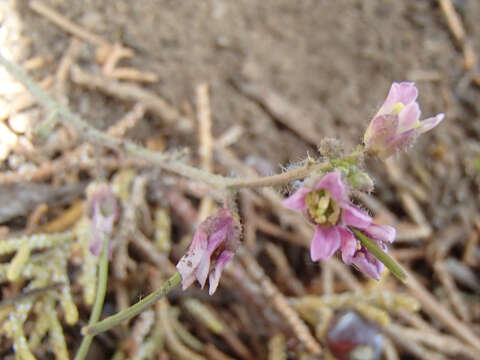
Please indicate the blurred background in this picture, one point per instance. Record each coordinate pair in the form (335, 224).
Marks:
(281, 76)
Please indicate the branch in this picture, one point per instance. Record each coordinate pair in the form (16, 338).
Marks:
(163, 161)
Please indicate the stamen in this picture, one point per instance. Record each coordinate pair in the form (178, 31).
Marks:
(322, 208)
(397, 108)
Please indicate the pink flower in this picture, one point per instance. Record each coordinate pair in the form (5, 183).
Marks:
(103, 210)
(397, 123)
(212, 248)
(364, 260)
(328, 206)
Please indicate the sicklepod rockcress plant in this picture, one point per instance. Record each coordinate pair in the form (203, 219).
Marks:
(323, 197)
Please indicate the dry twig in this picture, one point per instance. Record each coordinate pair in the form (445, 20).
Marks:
(280, 303)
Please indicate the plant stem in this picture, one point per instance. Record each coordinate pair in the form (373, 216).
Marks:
(163, 161)
(381, 255)
(99, 137)
(278, 179)
(99, 299)
(133, 310)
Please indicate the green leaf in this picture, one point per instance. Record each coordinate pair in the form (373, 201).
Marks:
(381, 255)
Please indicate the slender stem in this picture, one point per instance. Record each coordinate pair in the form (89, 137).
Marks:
(279, 179)
(133, 310)
(99, 299)
(381, 255)
(163, 161)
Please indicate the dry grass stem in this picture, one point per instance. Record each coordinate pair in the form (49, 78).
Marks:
(458, 31)
(280, 109)
(132, 92)
(440, 313)
(280, 303)
(65, 24)
(453, 294)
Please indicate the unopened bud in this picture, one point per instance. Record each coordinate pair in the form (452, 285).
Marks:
(360, 180)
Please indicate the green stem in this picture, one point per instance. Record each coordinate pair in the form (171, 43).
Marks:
(99, 299)
(133, 310)
(381, 255)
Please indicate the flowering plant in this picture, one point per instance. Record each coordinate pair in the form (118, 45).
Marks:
(328, 206)
(212, 248)
(396, 125)
(324, 199)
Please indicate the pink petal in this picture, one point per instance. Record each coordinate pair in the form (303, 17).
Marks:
(216, 239)
(408, 117)
(187, 266)
(187, 280)
(366, 267)
(348, 245)
(430, 123)
(325, 242)
(214, 277)
(380, 267)
(202, 270)
(381, 128)
(390, 101)
(296, 201)
(400, 142)
(353, 216)
(199, 240)
(404, 92)
(96, 243)
(381, 232)
(333, 183)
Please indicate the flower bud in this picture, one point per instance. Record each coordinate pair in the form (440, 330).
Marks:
(397, 123)
(103, 211)
(360, 180)
(212, 248)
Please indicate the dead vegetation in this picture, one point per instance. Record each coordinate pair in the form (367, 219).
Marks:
(273, 302)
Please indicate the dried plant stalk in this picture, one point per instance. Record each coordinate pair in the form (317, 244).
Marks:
(280, 303)
(277, 348)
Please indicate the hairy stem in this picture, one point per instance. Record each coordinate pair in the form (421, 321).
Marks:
(163, 161)
(133, 310)
(279, 179)
(99, 299)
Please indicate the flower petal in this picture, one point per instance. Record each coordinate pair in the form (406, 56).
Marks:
(214, 277)
(296, 201)
(348, 245)
(381, 233)
(409, 117)
(325, 242)
(96, 242)
(404, 92)
(187, 280)
(367, 267)
(199, 240)
(430, 123)
(216, 239)
(202, 270)
(188, 264)
(399, 143)
(380, 130)
(333, 183)
(353, 216)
